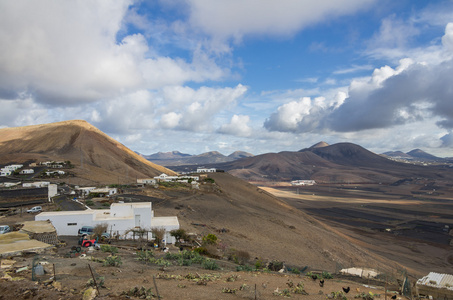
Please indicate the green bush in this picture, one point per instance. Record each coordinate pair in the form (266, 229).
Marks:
(326, 275)
(89, 202)
(210, 239)
(201, 250)
(108, 248)
(144, 255)
(210, 265)
(113, 261)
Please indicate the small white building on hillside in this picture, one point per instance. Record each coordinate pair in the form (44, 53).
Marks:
(146, 181)
(303, 182)
(120, 219)
(206, 170)
(27, 171)
(107, 192)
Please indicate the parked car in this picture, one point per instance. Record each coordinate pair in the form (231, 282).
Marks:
(35, 209)
(86, 230)
(4, 229)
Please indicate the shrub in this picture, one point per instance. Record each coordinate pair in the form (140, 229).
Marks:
(210, 265)
(295, 271)
(89, 202)
(201, 250)
(246, 268)
(210, 239)
(275, 265)
(113, 261)
(144, 255)
(108, 248)
(326, 275)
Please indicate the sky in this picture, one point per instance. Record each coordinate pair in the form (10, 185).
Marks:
(225, 75)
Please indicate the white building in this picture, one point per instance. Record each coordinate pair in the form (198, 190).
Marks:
(165, 177)
(27, 171)
(120, 219)
(303, 182)
(85, 191)
(8, 170)
(105, 191)
(50, 173)
(146, 181)
(36, 184)
(206, 170)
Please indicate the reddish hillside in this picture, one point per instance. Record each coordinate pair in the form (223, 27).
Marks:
(97, 157)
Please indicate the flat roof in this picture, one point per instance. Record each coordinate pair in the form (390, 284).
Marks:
(67, 212)
(164, 221)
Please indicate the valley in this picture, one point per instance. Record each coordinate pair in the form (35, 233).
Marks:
(405, 224)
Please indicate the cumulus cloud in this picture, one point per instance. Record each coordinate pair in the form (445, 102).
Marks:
(303, 115)
(411, 92)
(238, 126)
(234, 19)
(63, 53)
(194, 109)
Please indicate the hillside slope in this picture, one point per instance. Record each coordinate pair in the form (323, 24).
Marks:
(97, 157)
(264, 226)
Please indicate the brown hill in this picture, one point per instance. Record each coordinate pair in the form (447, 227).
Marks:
(97, 157)
(342, 162)
(264, 226)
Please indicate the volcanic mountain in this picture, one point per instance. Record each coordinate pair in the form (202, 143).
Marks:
(338, 163)
(415, 155)
(97, 157)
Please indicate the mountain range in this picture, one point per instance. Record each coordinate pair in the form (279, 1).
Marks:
(176, 158)
(415, 155)
(340, 163)
(97, 159)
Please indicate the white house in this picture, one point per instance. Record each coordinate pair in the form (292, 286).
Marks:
(146, 181)
(303, 182)
(36, 184)
(5, 172)
(27, 171)
(106, 191)
(120, 219)
(59, 172)
(165, 177)
(85, 191)
(206, 170)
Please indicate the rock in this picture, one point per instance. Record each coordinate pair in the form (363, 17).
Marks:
(89, 294)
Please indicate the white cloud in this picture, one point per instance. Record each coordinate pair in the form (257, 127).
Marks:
(197, 108)
(63, 53)
(234, 19)
(238, 126)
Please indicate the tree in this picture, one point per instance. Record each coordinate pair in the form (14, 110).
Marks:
(179, 234)
(158, 234)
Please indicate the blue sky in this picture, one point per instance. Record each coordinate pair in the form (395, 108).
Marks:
(225, 75)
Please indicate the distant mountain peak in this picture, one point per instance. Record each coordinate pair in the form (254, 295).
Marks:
(240, 154)
(319, 145)
(418, 153)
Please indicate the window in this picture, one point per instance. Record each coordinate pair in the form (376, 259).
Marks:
(72, 224)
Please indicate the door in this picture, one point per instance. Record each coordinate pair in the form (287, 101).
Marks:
(137, 220)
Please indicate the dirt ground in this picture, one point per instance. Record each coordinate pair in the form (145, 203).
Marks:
(173, 282)
(325, 228)
(409, 224)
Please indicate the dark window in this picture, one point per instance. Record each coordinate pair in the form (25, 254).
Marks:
(72, 224)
